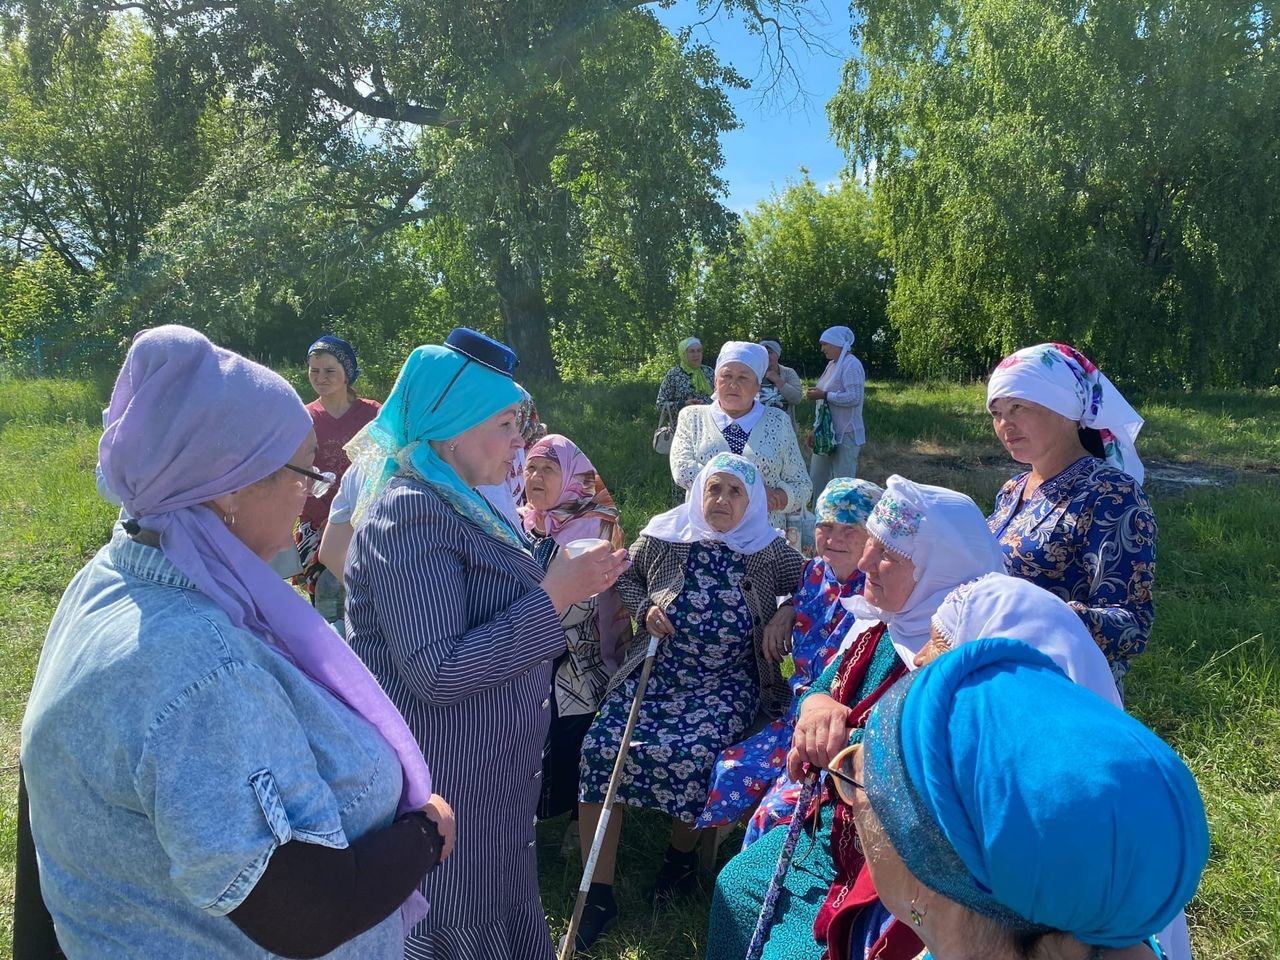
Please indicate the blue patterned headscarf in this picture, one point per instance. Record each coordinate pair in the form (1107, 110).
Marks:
(847, 500)
(342, 351)
(439, 394)
(1030, 800)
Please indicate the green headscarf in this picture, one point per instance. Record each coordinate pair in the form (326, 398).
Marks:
(428, 403)
(695, 373)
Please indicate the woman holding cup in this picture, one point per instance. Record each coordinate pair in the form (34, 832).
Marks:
(571, 511)
(461, 625)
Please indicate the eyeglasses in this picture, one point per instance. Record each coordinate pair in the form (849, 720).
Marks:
(844, 784)
(321, 482)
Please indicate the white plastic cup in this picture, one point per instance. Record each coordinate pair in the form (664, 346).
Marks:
(576, 548)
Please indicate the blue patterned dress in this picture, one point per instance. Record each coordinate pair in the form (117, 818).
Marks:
(754, 768)
(703, 693)
(1088, 535)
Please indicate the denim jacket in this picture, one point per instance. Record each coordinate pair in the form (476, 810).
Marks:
(168, 754)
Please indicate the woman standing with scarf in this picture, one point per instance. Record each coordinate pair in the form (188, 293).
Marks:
(568, 501)
(460, 625)
(737, 422)
(337, 415)
(1078, 522)
(839, 394)
(706, 579)
(923, 541)
(688, 382)
(244, 785)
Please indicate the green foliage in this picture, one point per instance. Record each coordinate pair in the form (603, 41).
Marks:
(97, 144)
(805, 260)
(574, 144)
(1100, 173)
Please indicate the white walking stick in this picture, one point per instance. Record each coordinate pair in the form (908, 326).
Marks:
(589, 868)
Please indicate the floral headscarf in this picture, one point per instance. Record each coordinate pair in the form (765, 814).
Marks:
(1064, 380)
(847, 500)
(945, 536)
(584, 499)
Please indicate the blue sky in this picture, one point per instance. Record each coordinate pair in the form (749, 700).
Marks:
(785, 129)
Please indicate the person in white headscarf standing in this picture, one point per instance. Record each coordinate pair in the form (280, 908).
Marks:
(838, 433)
(1077, 522)
(737, 422)
(705, 578)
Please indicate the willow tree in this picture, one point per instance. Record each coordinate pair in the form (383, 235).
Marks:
(1104, 172)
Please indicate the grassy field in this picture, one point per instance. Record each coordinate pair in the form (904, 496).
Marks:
(1210, 681)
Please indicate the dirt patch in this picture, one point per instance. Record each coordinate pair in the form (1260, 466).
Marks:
(982, 476)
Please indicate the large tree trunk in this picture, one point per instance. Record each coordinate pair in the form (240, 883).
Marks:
(524, 315)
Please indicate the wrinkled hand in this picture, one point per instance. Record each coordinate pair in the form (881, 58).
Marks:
(658, 623)
(777, 634)
(571, 580)
(439, 812)
(822, 731)
(777, 498)
(816, 393)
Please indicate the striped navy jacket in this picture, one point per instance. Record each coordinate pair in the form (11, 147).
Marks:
(455, 626)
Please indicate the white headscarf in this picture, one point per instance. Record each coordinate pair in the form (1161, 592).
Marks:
(686, 523)
(1063, 379)
(841, 337)
(945, 535)
(999, 605)
(750, 355)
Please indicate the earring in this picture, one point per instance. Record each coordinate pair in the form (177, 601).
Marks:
(917, 918)
(453, 447)
(229, 519)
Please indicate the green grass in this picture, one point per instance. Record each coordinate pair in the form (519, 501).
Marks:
(1210, 681)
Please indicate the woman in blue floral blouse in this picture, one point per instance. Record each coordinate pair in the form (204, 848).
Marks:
(805, 633)
(1078, 522)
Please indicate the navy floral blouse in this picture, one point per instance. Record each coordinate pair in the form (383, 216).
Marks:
(1089, 536)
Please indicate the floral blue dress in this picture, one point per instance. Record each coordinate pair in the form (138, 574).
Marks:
(755, 767)
(1088, 535)
(703, 693)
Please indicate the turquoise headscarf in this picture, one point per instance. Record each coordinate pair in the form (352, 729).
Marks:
(438, 395)
(1031, 800)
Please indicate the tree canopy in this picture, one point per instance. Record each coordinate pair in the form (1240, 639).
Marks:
(1101, 172)
(561, 135)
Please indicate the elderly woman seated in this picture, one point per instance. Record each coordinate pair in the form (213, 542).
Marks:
(568, 501)
(996, 605)
(705, 578)
(1078, 832)
(806, 632)
(736, 422)
(923, 542)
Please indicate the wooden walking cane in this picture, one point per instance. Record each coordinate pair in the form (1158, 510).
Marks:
(765, 920)
(566, 951)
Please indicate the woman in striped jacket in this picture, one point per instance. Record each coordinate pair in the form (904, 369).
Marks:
(461, 626)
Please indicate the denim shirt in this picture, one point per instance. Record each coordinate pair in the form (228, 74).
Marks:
(168, 754)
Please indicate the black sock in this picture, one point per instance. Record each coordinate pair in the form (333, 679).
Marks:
(681, 857)
(601, 895)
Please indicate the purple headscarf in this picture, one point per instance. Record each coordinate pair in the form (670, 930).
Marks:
(190, 421)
